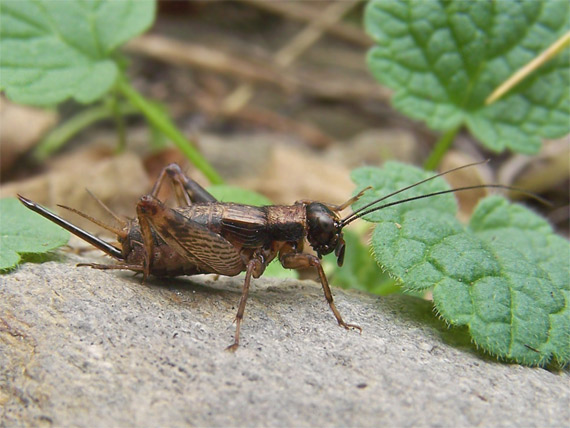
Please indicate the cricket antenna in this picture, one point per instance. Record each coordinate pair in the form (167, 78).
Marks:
(367, 208)
(349, 219)
(86, 236)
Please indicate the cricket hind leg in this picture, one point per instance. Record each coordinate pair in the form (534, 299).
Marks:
(302, 261)
(186, 189)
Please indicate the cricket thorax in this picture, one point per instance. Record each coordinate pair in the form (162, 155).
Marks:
(286, 222)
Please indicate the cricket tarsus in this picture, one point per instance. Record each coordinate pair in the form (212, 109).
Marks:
(207, 236)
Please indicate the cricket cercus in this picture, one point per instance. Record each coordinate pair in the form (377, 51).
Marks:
(205, 236)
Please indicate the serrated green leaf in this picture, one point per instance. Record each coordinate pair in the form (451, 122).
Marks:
(536, 262)
(54, 50)
(225, 193)
(24, 232)
(443, 58)
(506, 276)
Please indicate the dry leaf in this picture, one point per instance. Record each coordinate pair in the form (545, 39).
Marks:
(21, 128)
(292, 174)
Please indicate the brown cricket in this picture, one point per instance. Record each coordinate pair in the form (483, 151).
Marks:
(206, 236)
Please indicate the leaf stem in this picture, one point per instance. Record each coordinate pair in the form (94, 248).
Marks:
(441, 147)
(64, 132)
(162, 122)
(553, 50)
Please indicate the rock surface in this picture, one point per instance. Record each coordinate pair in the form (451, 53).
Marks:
(84, 348)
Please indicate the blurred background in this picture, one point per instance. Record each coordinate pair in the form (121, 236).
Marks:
(276, 95)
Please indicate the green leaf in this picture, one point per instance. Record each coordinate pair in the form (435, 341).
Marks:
(275, 270)
(443, 58)
(506, 276)
(54, 50)
(225, 193)
(23, 232)
(535, 264)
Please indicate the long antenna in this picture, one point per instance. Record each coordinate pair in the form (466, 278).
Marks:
(86, 236)
(348, 219)
(361, 213)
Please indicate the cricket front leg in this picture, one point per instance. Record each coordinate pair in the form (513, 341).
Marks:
(302, 261)
(254, 267)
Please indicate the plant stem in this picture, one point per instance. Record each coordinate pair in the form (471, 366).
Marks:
(64, 132)
(162, 122)
(119, 118)
(441, 147)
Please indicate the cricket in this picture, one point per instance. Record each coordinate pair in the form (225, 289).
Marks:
(205, 236)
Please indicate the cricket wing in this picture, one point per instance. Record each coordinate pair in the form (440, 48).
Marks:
(211, 252)
(245, 225)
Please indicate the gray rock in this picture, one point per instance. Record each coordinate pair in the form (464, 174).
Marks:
(87, 348)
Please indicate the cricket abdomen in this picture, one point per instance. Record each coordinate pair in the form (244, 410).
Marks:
(165, 260)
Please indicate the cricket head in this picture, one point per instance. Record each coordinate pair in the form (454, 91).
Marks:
(325, 231)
